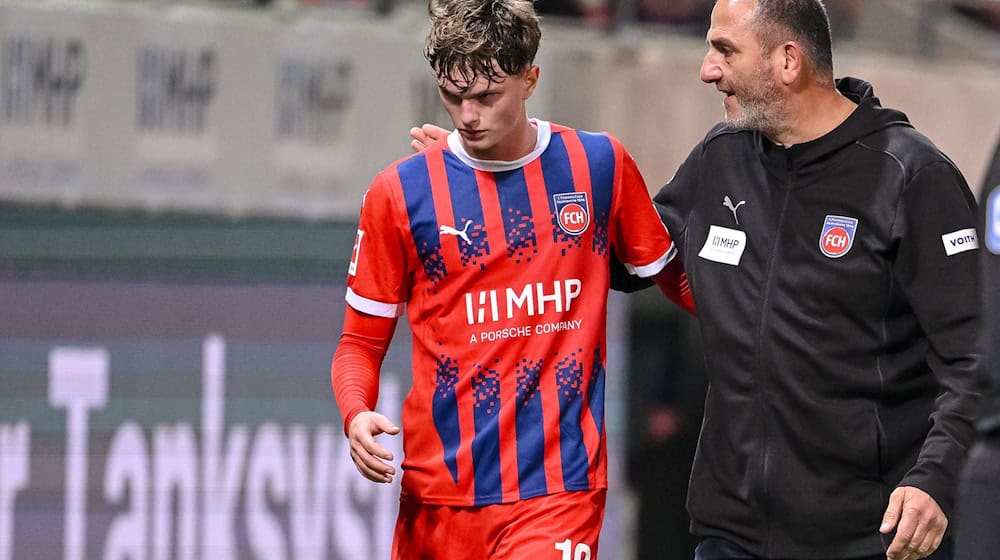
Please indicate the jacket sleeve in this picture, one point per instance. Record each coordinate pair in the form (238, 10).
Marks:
(676, 198)
(937, 266)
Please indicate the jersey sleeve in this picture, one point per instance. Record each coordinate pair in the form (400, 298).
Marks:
(672, 202)
(376, 276)
(637, 235)
(354, 372)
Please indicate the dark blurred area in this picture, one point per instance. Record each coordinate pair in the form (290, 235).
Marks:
(665, 401)
(982, 12)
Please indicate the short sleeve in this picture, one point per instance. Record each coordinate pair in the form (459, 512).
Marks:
(376, 275)
(638, 237)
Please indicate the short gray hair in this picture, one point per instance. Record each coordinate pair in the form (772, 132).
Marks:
(803, 21)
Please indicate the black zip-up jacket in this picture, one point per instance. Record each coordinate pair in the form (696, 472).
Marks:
(836, 285)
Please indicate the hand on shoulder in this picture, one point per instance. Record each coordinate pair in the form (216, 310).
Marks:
(425, 135)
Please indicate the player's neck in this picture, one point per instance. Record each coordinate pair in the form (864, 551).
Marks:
(520, 142)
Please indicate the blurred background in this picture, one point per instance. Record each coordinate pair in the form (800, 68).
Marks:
(179, 189)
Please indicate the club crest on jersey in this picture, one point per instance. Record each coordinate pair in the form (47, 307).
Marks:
(572, 212)
(837, 236)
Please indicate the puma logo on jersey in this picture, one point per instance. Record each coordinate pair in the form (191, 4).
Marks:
(728, 203)
(448, 230)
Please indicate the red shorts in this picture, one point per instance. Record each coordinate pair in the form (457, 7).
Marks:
(563, 526)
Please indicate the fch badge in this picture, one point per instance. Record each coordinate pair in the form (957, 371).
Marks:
(572, 212)
(837, 236)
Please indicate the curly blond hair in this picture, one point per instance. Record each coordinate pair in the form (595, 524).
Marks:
(472, 38)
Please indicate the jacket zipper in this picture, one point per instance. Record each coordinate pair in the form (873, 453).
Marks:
(762, 371)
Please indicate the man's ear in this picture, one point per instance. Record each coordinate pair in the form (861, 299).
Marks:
(791, 63)
(530, 81)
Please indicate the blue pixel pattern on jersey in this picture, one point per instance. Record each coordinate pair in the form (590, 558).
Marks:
(569, 382)
(530, 440)
(595, 394)
(486, 442)
(518, 223)
(601, 161)
(445, 411)
(467, 207)
(416, 182)
(558, 179)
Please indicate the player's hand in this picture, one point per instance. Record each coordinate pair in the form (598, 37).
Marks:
(425, 135)
(367, 455)
(919, 524)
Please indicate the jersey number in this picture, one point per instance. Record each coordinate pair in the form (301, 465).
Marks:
(581, 552)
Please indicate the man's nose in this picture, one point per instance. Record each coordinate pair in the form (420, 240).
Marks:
(711, 70)
(470, 113)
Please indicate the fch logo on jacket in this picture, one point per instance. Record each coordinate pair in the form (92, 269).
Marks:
(837, 236)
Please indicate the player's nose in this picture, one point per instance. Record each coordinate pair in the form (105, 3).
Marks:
(470, 114)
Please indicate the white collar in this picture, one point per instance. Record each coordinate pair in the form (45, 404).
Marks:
(541, 143)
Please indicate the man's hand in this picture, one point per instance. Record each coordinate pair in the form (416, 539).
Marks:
(921, 524)
(425, 135)
(366, 454)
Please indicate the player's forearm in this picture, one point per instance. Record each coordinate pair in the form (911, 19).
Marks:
(354, 372)
(673, 282)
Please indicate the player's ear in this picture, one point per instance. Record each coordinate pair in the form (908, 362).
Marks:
(530, 78)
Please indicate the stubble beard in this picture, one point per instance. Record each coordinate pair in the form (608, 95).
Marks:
(761, 104)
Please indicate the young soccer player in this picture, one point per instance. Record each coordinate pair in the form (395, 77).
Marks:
(497, 241)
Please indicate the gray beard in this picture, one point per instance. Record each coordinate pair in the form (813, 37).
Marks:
(765, 115)
(762, 108)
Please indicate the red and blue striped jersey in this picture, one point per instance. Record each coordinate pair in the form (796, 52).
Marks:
(503, 269)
